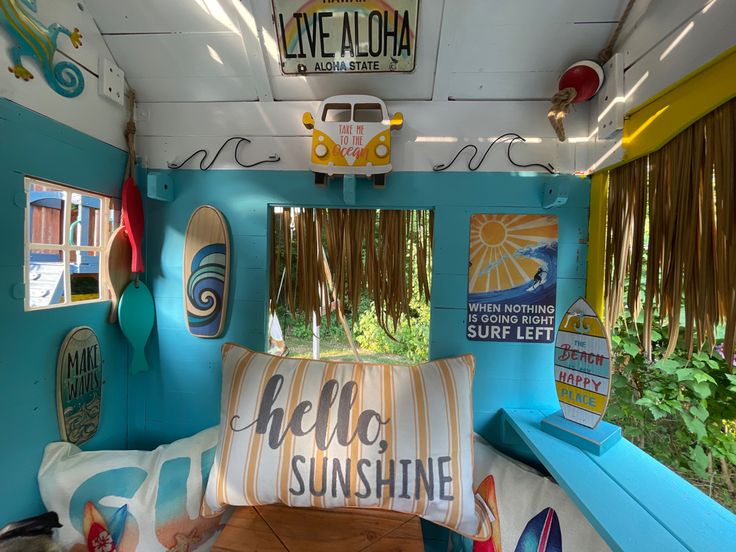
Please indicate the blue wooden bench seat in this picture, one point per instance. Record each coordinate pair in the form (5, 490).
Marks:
(633, 501)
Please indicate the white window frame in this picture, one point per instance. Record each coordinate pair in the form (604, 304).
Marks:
(65, 247)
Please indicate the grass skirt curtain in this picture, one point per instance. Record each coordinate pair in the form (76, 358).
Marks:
(677, 205)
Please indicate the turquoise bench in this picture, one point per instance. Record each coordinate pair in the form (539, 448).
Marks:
(634, 502)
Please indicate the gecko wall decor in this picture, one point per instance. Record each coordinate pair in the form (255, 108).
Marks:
(32, 38)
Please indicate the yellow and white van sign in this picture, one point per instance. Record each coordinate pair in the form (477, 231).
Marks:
(351, 134)
(346, 36)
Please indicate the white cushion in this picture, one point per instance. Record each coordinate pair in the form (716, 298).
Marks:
(163, 489)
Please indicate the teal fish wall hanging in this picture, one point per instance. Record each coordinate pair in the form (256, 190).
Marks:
(33, 39)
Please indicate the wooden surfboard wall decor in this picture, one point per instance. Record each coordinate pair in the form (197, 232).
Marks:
(117, 268)
(206, 272)
(583, 365)
(79, 385)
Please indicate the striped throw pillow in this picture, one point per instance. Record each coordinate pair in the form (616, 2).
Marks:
(345, 434)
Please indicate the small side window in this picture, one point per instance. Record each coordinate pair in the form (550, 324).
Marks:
(337, 113)
(66, 233)
(368, 113)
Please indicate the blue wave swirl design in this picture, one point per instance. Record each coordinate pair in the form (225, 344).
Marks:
(543, 294)
(205, 290)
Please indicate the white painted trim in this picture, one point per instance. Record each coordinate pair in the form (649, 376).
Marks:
(432, 133)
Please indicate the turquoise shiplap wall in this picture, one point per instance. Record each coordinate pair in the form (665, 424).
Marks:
(31, 144)
(181, 394)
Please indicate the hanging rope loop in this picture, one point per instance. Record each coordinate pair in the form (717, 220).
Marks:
(129, 133)
(561, 102)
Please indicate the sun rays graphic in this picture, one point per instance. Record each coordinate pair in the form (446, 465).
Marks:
(494, 244)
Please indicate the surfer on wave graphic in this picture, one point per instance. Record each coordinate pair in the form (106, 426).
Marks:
(539, 278)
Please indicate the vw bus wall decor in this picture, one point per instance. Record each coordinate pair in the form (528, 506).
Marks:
(79, 385)
(349, 36)
(351, 135)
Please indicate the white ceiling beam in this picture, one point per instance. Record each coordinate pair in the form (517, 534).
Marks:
(253, 43)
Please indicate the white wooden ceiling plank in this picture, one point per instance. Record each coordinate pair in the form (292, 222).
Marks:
(180, 55)
(155, 16)
(252, 41)
(645, 30)
(503, 85)
(525, 47)
(385, 86)
(550, 11)
(529, 43)
(198, 89)
(221, 118)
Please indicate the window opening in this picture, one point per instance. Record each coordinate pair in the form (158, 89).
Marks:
(66, 230)
(337, 113)
(368, 113)
(349, 284)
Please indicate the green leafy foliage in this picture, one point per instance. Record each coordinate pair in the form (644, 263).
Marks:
(680, 410)
(410, 339)
(409, 342)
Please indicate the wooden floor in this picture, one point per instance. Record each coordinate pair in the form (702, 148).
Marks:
(278, 528)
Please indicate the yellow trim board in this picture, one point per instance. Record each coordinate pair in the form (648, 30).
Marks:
(660, 119)
(594, 288)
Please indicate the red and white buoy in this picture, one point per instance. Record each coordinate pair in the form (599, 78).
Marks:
(579, 83)
(585, 76)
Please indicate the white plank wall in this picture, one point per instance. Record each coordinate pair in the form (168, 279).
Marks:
(432, 133)
(89, 113)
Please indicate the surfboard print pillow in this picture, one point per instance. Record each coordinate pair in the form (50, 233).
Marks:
(309, 433)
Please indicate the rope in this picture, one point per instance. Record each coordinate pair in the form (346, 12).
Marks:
(561, 102)
(606, 53)
(130, 135)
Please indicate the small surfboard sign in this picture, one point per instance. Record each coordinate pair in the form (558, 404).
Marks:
(206, 271)
(79, 385)
(583, 365)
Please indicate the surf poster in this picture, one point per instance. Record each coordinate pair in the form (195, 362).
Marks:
(512, 278)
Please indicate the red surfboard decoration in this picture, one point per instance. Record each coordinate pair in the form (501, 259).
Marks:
(95, 530)
(133, 221)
